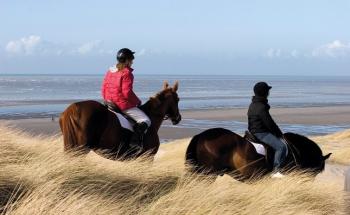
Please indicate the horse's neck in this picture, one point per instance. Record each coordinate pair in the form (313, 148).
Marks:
(156, 119)
(294, 153)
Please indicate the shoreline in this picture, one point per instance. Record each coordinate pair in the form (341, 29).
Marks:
(322, 116)
(328, 115)
(315, 115)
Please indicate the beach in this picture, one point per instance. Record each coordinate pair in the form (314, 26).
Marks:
(328, 116)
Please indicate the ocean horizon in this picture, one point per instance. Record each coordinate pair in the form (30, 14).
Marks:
(43, 93)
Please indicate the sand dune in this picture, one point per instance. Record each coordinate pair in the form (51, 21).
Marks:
(37, 178)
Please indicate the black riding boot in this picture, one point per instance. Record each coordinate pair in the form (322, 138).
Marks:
(140, 129)
(126, 137)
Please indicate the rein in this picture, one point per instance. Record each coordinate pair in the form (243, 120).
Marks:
(291, 146)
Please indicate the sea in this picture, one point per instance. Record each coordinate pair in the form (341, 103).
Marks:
(35, 96)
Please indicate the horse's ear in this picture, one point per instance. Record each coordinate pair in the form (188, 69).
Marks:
(155, 101)
(327, 156)
(176, 86)
(165, 85)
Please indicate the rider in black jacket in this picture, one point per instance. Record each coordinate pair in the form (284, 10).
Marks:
(261, 124)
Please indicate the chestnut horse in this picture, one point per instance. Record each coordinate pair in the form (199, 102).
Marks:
(89, 125)
(217, 151)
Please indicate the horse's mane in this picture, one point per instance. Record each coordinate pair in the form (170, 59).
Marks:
(302, 142)
(158, 97)
(161, 95)
(299, 137)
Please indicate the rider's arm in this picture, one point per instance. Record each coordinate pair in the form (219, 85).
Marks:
(270, 123)
(127, 89)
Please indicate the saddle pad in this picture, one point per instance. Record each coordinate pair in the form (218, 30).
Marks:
(123, 121)
(260, 149)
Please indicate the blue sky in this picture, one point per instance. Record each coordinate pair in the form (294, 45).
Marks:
(270, 37)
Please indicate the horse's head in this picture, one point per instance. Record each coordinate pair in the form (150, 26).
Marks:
(307, 152)
(166, 103)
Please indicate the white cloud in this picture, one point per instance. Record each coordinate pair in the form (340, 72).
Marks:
(334, 49)
(25, 45)
(294, 53)
(89, 47)
(273, 53)
(35, 46)
(141, 52)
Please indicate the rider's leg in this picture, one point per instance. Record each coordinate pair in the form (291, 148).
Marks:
(279, 147)
(138, 115)
(142, 120)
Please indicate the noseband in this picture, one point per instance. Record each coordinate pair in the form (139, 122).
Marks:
(166, 117)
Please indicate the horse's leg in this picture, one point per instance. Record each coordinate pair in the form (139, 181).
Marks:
(107, 141)
(151, 144)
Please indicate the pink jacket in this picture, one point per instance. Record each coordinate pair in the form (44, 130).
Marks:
(117, 87)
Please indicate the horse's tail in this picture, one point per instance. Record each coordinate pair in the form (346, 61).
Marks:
(68, 126)
(191, 155)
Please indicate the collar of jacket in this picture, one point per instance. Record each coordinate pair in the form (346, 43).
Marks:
(128, 69)
(114, 69)
(260, 99)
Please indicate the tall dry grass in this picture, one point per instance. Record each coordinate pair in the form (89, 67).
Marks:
(337, 143)
(36, 177)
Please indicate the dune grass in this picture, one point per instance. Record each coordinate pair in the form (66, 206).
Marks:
(337, 143)
(36, 177)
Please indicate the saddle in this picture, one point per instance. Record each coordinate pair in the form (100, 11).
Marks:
(129, 136)
(262, 148)
(125, 121)
(114, 108)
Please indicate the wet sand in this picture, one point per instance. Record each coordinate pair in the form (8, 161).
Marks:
(337, 115)
(48, 127)
(334, 115)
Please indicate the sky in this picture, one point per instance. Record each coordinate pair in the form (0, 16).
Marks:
(250, 37)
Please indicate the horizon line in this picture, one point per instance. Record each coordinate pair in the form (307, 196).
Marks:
(248, 75)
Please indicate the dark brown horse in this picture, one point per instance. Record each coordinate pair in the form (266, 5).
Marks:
(89, 125)
(217, 151)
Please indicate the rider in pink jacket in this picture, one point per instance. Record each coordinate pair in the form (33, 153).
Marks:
(117, 88)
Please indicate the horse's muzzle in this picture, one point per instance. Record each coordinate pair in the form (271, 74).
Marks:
(176, 120)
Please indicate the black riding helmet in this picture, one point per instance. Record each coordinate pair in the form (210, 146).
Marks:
(125, 54)
(262, 89)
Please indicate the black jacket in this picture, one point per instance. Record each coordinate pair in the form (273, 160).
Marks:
(259, 118)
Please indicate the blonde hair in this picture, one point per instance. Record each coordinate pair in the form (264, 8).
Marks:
(121, 66)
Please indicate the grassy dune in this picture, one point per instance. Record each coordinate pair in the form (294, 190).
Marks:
(337, 143)
(37, 178)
